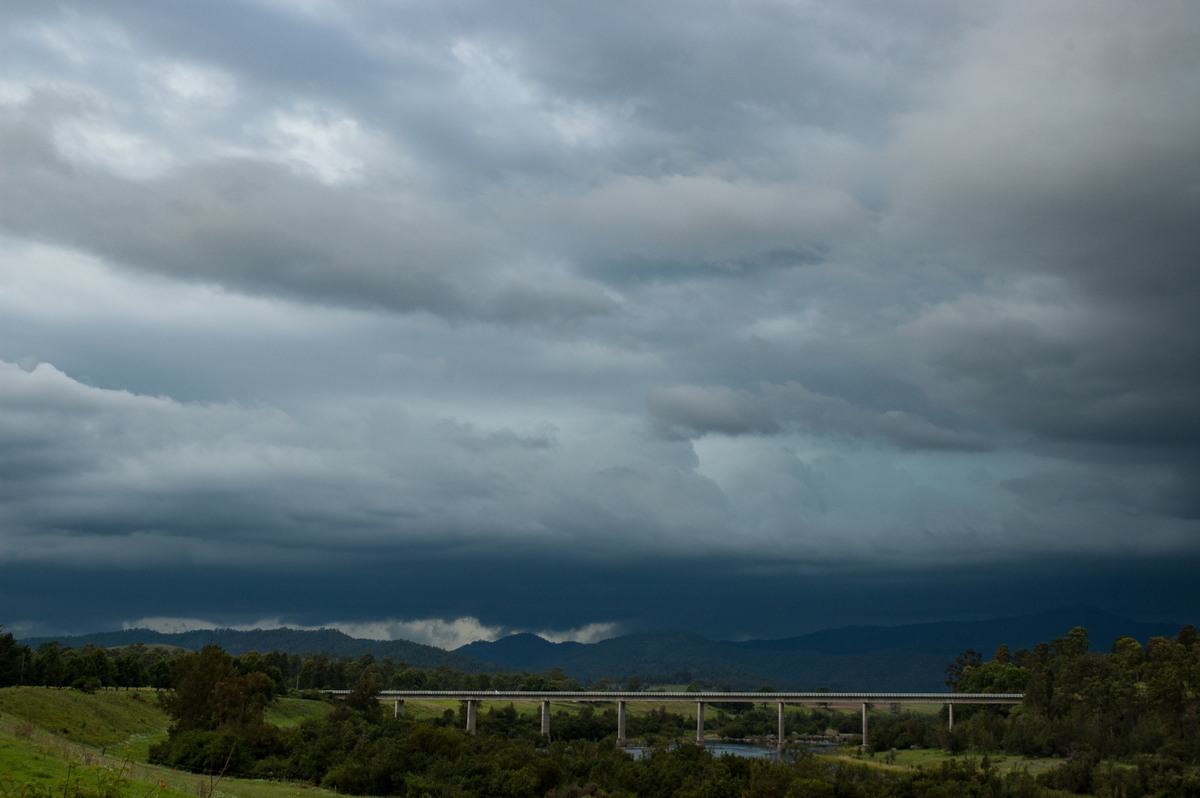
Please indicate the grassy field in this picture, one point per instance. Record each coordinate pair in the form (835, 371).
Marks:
(110, 718)
(288, 712)
(64, 742)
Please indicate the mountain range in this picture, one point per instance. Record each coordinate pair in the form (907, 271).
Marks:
(911, 657)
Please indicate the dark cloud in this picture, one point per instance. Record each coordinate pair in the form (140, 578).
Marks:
(553, 592)
(598, 310)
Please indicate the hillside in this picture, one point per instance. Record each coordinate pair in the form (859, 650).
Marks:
(947, 638)
(66, 742)
(330, 642)
(673, 657)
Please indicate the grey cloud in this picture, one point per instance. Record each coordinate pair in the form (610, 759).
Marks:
(113, 471)
(684, 411)
(1061, 367)
(692, 222)
(1135, 489)
(475, 440)
(823, 415)
(1071, 193)
(247, 225)
(550, 303)
(260, 228)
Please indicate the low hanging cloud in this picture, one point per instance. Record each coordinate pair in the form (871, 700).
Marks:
(447, 634)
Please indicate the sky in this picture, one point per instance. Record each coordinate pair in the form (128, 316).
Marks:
(450, 320)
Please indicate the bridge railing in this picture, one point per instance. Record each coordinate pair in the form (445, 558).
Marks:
(865, 700)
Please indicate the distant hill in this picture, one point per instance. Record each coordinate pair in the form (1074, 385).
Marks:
(523, 651)
(330, 642)
(674, 657)
(879, 658)
(890, 658)
(948, 638)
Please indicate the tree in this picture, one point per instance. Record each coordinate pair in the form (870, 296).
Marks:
(130, 668)
(209, 693)
(1075, 644)
(14, 660)
(218, 713)
(91, 668)
(364, 698)
(51, 669)
(955, 670)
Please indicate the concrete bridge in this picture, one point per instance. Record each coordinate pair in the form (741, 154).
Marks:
(864, 700)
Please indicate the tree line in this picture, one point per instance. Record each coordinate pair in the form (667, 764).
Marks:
(92, 667)
(1127, 721)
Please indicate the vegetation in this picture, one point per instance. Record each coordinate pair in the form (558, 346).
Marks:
(1122, 723)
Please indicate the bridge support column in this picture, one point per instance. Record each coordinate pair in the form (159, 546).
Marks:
(398, 708)
(950, 709)
(700, 723)
(471, 715)
(546, 719)
(865, 745)
(621, 724)
(781, 738)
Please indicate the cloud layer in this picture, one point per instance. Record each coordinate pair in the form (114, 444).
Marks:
(294, 293)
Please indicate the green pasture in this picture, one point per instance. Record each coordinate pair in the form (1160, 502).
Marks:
(68, 743)
(106, 719)
(288, 712)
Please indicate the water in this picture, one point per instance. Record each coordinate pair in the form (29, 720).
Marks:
(749, 750)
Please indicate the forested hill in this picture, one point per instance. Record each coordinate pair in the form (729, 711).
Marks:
(896, 658)
(330, 642)
(947, 638)
(672, 657)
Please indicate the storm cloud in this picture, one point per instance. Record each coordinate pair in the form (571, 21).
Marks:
(471, 318)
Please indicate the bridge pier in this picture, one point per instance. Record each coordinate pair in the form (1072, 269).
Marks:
(867, 700)
(781, 737)
(546, 719)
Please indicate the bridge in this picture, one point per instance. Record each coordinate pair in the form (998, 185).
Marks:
(865, 700)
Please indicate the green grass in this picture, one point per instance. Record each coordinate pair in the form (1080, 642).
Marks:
(288, 712)
(107, 718)
(52, 739)
(31, 756)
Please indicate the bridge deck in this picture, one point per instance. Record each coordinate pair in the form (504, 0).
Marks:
(708, 698)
